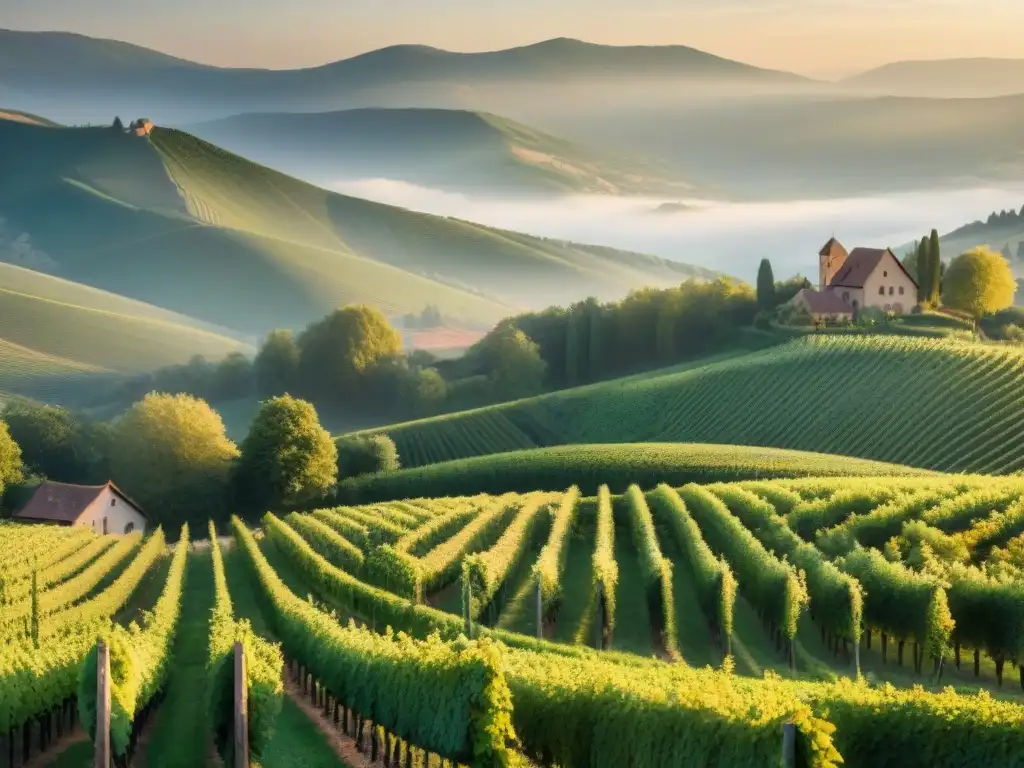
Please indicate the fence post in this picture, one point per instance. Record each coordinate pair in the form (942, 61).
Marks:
(101, 756)
(467, 609)
(241, 710)
(540, 612)
(789, 745)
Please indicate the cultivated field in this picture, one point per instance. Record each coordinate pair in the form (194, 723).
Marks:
(938, 404)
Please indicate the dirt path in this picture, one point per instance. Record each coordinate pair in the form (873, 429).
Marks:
(62, 745)
(343, 746)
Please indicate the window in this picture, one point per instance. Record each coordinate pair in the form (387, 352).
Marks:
(885, 274)
(104, 526)
(890, 290)
(113, 502)
(129, 528)
(901, 290)
(846, 295)
(881, 290)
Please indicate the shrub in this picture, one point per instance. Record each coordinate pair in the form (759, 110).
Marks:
(366, 455)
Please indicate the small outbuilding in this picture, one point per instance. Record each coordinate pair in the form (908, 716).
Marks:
(823, 306)
(103, 508)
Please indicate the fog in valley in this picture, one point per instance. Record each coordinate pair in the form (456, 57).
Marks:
(728, 237)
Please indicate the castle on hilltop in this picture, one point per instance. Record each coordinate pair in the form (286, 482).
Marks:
(851, 281)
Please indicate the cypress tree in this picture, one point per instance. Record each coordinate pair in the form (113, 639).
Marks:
(923, 264)
(594, 346)
(572, 350)
(765, 286)
(934, 269)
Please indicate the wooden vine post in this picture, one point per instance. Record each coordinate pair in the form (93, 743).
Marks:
(241, 710)
(467, 609)
(101, 757)
(789, 745)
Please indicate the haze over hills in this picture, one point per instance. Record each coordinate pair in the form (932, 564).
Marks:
(177, 222)
(944, 78)
(76, 74)
(446, 149)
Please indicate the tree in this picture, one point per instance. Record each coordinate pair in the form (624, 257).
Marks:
(118, 125)
(276, 367)
(572, 350)
(595, 352)
(336, 352)
(287, 458)
(979, 282)
(232, 378)
(513, 363)
(366, 455)
(934, 269)
(171, 454)
(1020, 250)
(1006, 254)
(57, 444)
(923, 270)
(429, 390)
(765, 286)
(10, 459)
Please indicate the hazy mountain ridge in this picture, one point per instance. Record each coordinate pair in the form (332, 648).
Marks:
(455, 150)
(944, 78)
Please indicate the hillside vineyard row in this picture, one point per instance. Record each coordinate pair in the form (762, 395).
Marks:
(723, 612)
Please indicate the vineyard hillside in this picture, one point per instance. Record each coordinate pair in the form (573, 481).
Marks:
(944, 405)
(173, 221)
(56, 335)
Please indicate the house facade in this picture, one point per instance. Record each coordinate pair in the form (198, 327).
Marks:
(103, 508)
(863, 277)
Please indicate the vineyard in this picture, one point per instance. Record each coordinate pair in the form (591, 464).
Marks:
(938, 404)
(867, 620)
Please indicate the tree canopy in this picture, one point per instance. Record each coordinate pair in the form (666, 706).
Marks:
(337, 350)
(170, 453)
(276, 367)
(765, 286)
(58, 444)
(515, 367)
(287, 458)
(366, 455)
(10, 459)
(979, 282)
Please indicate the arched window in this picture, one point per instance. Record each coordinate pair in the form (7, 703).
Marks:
(901, 290)
(885, 274)
(890, 290)
(881, 290)
(129, 528)
(104, 526)
(113, 502)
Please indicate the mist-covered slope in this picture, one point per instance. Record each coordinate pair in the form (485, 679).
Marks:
(179, 223)
(455, 150)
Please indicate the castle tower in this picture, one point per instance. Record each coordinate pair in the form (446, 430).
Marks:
(831, 258)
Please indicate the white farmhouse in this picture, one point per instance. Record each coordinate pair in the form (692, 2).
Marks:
(104, 508)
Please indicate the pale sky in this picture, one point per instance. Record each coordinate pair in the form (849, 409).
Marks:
(822, 38)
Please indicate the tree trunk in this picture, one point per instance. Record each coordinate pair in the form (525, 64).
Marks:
(977, 663)
(885, 647)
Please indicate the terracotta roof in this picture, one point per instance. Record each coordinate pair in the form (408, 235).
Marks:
(65, 503)
(831, 247)
(823, 303)
(858, 266)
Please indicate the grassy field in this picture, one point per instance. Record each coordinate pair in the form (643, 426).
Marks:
(173, 221)
(946, 405)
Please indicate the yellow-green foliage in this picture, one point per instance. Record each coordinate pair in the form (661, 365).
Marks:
(263, 667)
(328, 542)
(551, 561)
(979, 282)
(606, 570)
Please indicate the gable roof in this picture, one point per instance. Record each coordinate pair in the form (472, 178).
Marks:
(832, 247)
(823, 303)
(65, 503)
(861, 263)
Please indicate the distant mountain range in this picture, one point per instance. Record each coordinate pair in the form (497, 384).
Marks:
(452, 150)
(944, 78)
(99, 74)
(181, 224)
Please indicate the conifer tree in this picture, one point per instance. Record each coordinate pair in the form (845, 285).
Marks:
(923, 266)
(765, 286)
(934, 269)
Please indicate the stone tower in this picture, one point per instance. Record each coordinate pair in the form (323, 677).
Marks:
(831, 258)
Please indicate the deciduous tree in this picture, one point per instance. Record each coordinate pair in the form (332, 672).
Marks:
(10, 459)
(287, 458)
(365, 455)
(979, 282)
(58, 444)
(276, 368)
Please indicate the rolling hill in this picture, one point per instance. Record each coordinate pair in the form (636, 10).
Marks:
(454, 150)
(57, 336)
(174, 221)
(89, 75)
(935, 404)
(943, 78)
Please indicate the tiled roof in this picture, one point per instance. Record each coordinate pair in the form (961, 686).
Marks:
(824, 303)
(858, 266)
(65, 503)
(831, 247)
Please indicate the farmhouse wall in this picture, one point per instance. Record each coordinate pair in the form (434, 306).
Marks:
(883, 285)
(118, 512)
